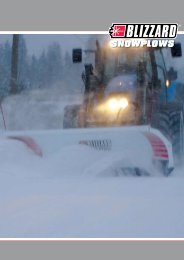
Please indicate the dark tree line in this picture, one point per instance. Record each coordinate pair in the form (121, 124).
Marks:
(41, 71)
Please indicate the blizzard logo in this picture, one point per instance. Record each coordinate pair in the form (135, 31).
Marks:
(149, 31)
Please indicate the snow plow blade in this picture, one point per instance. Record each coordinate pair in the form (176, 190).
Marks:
(141, 148)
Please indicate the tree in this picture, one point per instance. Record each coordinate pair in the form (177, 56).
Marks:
(33, 72)
(54, 63)
(42, 70)
(5, 67)
(68, 62)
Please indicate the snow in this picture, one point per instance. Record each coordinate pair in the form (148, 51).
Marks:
(78, 206)
(73, 191)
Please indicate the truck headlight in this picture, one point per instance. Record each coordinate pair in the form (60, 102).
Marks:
(115, 104)
(123, 103)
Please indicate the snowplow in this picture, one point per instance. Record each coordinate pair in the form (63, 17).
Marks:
(89, 151)
(129, 87)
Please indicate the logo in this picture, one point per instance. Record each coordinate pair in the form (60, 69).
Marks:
(143, 30)
(140, 35)
(117, 31)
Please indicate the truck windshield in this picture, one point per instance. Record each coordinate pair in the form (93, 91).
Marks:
(122, 61)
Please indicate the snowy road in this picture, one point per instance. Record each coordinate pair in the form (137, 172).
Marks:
(79, 207)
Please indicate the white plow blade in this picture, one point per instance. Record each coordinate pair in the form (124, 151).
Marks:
(137, 146)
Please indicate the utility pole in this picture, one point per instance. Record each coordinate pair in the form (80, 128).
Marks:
(14, 65)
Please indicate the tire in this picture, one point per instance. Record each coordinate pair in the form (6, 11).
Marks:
(177, 134)
(161, 122)
(169, 120)
(70, 119)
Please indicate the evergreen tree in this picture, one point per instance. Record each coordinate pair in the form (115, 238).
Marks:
(42, 70)
(5, 68)
(67, 62)
(33, 72)
(54, 64)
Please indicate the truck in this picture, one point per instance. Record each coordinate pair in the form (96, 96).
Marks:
(129, 87)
